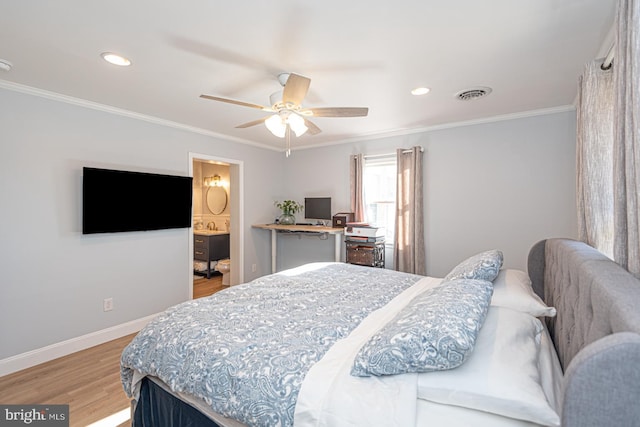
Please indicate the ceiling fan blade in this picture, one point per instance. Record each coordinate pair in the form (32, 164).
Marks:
(313, 129)
(253, 123)
(337, 111)
(233, 101)
(295, 89)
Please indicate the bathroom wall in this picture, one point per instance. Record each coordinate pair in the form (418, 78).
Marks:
(202, 215)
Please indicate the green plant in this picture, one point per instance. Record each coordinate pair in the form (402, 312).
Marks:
(289, 207)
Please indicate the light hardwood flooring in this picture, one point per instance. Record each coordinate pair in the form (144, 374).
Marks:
(88, 381)
(203, 287)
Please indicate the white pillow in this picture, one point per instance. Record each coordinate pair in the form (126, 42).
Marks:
(501, 376)
(512, 289)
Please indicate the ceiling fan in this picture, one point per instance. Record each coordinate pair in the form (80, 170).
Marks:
(288, 112)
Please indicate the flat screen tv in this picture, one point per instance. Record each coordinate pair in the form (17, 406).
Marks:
(318, 208)
(116, 201)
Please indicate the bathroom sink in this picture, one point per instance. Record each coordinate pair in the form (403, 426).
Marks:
(210, 232)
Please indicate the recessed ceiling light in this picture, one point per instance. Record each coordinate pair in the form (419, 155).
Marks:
(5, 65)
(420, 91)
(115, 59)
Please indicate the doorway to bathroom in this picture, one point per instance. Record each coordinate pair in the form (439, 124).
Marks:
(216, 241)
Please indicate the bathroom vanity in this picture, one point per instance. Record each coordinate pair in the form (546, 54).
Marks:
(209, 245)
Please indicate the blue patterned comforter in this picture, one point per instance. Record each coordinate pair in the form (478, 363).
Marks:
(246, 350)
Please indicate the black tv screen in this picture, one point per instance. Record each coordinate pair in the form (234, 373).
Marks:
(317, 208)
(116, 201)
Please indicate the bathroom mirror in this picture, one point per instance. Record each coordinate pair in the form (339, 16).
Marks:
(216, 200)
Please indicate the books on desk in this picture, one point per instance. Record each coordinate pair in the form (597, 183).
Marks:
(361, 230)
(364, 239)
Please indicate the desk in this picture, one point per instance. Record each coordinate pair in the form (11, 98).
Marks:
(303, 229)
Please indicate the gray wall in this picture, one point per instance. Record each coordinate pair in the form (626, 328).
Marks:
(53, 279)
(500, 185)
(504, 185)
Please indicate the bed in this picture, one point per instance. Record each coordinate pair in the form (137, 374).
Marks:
(330, 344)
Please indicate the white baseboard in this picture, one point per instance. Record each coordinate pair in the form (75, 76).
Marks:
(45, 354)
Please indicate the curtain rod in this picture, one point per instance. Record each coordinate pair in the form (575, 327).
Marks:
(608, 60)
(371, 156)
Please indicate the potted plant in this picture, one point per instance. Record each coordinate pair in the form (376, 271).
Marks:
(289, 209)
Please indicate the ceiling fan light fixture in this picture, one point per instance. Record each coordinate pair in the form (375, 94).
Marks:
(297, 124)
(276, 125)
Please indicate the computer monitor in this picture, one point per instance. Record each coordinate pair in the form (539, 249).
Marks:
(317, 208)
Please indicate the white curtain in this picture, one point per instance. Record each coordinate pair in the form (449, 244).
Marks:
(409, 249)
(594, 158)
(626, 149)
(356, 186)
(608, 147)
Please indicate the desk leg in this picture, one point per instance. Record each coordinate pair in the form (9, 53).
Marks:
(274, 250)
(338, 243)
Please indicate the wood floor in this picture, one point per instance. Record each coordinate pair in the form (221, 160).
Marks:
(88, 381)
(203, 287)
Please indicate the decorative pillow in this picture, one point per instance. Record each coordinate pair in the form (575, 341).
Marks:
(435, 331)
(502, 376)
(512, 289)
(482, 266)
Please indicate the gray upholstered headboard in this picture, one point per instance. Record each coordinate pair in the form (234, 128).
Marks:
(596, 331)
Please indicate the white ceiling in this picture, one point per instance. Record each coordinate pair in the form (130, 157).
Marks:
(358, 53)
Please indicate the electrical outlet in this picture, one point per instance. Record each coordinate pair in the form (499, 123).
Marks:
(107, 304)
(254, 267)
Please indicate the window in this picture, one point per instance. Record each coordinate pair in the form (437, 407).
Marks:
(379, 185)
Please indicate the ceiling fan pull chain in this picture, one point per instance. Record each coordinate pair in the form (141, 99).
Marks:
(287, 136)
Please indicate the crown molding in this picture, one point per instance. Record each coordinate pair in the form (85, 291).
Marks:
(365, 137)
(404, 132)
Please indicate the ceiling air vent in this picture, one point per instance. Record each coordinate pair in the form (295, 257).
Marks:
(473, 93)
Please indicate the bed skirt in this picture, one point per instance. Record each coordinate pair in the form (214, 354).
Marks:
(157, 408)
